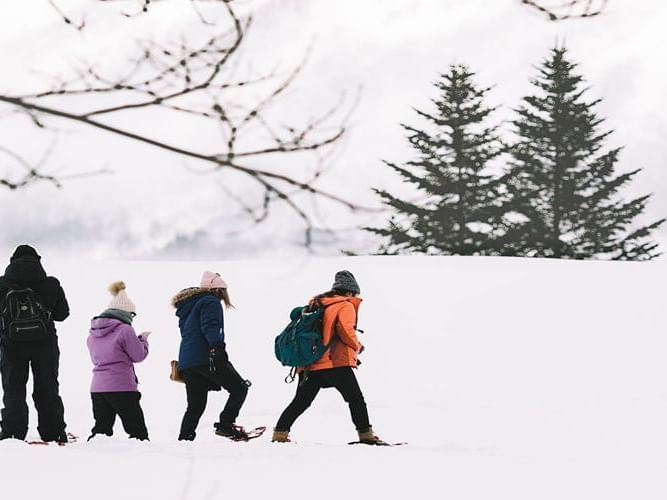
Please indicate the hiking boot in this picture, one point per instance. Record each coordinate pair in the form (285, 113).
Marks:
(231, 431)
(187, 437)
(280, 437)
(368, 437)
(60, 438)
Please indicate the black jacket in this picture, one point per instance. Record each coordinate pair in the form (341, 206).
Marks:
(27, 271)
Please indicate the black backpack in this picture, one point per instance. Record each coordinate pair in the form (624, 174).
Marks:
(23, 316)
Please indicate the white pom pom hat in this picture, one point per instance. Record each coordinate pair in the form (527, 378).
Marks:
(120, 299)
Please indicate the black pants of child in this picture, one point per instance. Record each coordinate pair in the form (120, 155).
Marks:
(16, 360)
(198, 381)
(345, 382)
(106, 405)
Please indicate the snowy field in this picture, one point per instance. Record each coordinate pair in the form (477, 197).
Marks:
(513, 379)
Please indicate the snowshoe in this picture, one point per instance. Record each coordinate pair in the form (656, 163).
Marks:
(377, 442)
(238, 433)
(66, 438)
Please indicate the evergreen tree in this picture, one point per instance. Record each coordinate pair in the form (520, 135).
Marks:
(459, 210)
(562, 180)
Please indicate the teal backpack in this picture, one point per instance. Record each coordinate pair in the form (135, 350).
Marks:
(300, 343)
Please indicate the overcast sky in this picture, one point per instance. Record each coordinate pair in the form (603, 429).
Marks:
(390, 52)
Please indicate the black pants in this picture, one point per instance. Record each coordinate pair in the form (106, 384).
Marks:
(198, 381)
(345, 382)
(106, 405)
(16, 359)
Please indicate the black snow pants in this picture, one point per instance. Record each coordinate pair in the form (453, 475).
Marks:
(106, 405)
(16, 359)
(345, 382)
(198, 381)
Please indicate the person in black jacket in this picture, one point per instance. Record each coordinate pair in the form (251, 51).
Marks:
(25, 271)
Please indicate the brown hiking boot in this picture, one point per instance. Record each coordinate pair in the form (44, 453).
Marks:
(369, 437)
(280, 437)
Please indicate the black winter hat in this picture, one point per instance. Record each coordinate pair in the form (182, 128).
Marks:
(24, 251)
(345, 282)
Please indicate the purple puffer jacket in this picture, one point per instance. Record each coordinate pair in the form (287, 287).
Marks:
(114, 348)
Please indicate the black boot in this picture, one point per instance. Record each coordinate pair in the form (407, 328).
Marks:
(187, 437)
(232, 431)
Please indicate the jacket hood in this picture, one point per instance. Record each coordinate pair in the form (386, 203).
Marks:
(119, 314)
(24, 251)
(25, 269)
(189, 293)
(185, 300)
(99, 327)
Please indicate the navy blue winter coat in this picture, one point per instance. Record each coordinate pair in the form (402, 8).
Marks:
(201, 322)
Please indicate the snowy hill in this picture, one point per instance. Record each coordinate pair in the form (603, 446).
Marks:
(509, 378)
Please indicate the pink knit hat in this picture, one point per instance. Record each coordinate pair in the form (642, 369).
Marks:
(212, 280)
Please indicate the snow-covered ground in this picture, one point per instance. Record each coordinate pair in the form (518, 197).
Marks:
(509, 378)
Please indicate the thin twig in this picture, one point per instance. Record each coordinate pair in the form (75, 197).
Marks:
(567, 10)
(78, 26)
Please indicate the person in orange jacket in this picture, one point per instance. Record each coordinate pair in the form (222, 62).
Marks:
(334, 368)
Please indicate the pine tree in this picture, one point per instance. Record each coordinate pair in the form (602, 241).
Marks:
(562, 180)
(459, 210)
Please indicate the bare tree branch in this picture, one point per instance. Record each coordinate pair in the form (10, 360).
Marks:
(68, 20)
(570, 9)
(218, 160)
(143, 6)
(33, 173)
(184, 78)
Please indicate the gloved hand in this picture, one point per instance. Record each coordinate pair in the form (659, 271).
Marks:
(145, 335)
(216, 356)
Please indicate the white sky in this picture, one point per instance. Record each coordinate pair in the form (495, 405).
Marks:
(393, 50)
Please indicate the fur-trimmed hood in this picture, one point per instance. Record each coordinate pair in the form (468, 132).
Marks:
(189, 293)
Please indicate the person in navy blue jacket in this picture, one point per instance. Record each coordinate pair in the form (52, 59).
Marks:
(202, 357)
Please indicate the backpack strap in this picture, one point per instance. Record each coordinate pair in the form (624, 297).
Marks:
(333, 336)
(3, 299)
(3, 308)
(291, 375)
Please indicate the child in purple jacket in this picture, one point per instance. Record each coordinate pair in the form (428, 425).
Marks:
(114, 348)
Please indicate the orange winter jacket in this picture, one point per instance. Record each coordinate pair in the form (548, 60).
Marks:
(339, 323)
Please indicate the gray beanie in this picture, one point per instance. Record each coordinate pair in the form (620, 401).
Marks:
(345, 282)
